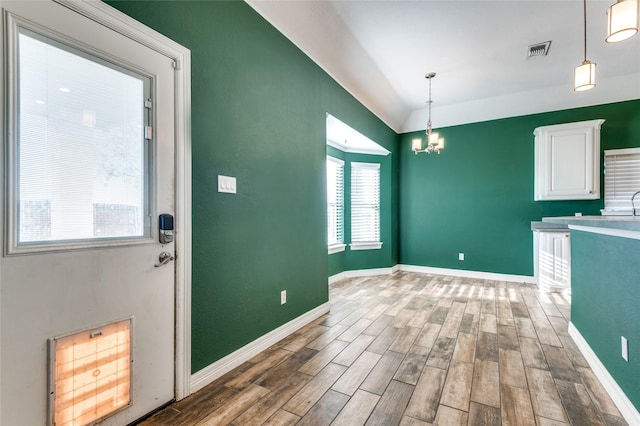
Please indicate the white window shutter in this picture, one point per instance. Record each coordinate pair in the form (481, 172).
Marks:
(365, 203)
(335, 200)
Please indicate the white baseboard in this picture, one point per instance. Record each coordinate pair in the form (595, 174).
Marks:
(211, 372)
(362, 273)
(626, 407)
(468, 274)
(432, 270)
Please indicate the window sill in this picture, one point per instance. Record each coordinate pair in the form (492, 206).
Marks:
(365, 246)
(336, 248)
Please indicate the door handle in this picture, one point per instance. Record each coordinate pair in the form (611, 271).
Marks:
(164, 258)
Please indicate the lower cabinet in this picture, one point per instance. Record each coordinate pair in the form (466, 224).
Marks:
(552, 260)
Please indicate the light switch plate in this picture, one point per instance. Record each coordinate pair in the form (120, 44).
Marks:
(226, 184)
(625, 348)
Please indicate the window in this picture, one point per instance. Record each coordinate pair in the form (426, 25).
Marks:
(81, 160)
(365, 206)
(335, 204)
(621, 180)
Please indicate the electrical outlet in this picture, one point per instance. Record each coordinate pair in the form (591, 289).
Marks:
(625, 348)
(460, 256)
(283, 297)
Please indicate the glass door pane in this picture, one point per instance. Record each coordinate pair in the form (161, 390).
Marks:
(82, 166)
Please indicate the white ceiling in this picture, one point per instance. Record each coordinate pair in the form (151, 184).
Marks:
(380, 51)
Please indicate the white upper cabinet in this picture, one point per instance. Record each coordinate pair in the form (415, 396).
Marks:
(567, 161)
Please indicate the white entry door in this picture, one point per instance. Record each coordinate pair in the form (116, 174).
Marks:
(87, 286)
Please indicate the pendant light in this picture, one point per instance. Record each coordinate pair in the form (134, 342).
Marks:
(622, 20)
(434, 141)
(584, 76)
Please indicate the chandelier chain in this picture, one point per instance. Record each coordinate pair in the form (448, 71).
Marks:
(585, 29)
(429, 102)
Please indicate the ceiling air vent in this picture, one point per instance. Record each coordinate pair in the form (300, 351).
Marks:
(538, 49)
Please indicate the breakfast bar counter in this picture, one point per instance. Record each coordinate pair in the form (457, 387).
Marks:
(605, 302)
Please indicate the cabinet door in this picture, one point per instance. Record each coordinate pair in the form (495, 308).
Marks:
(554, 260)
(567, 161)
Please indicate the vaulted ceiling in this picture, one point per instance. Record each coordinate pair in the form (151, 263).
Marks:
(381, 50)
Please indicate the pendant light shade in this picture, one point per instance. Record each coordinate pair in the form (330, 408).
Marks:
(622, 20)
(584, 76)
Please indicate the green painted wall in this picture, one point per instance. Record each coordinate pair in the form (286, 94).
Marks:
(386, 256)
(258, 113)
(336, 263)
(477, 196)
(605, 295)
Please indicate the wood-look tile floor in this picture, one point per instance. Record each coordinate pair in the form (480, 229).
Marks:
(414, 349)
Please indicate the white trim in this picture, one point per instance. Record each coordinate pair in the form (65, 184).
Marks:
(335, 160)
(362, 273)
(626, 407)
(344, 138)
(613, 232)
(368, 151)
(213, 371)
(365, 246)
(112, 18)
(432, 270)
(3, 137)
(183, 222)
(336, 248)
(337, 277)
(469, 274)
(616, 212)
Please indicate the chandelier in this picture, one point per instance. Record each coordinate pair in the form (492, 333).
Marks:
(433, 140)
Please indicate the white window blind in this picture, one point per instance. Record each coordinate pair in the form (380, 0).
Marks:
(365, 204)
(82, 161)
(335, 201)
(621, 179)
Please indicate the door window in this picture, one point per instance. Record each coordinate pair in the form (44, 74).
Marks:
(80, 158)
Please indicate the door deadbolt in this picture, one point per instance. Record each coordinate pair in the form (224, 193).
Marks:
(165, 228)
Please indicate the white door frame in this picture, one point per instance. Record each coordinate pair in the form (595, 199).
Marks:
(123, 24)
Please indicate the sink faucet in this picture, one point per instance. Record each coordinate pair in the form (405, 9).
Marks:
(633, 207)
